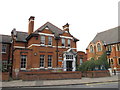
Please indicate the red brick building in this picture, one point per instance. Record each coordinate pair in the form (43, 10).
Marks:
(81, 57)
(109, 42)
(46, 49)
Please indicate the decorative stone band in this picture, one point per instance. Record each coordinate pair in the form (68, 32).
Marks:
(48, 46)
(53, 35)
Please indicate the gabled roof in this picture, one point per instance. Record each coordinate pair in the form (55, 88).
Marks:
(109, 36)
(55, 30)
(5, 39)
(51, 27)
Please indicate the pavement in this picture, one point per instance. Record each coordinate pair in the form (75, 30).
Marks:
(20, 83)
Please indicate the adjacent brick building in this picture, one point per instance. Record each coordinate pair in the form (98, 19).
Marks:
(46, 49)
(107, 41)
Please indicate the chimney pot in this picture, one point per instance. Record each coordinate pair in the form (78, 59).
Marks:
(66, 27)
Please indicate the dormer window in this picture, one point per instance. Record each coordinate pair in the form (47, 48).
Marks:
(42, 40)
(50, 41)
(4, 48)
(63, 42)
(69, 43)
(99, 47)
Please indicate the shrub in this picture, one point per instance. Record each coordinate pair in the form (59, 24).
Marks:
(91, 65)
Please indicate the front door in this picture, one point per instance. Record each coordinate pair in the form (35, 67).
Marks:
(69, 65)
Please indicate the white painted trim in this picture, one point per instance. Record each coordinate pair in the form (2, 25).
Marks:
(53, 35)
(22, 68)
(48, 46)
(46, 34)
(35, 68)
(18, 47)
(66, 37)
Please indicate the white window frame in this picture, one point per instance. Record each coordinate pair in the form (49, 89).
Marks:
(109, 48)
(63, 42)
(23, 57)
(42, 66)
(118, 47)
(42, 40)
(4, 47)
(69, 57)
(69, 43)
(81, 61)
(50, 61)
(49, 41)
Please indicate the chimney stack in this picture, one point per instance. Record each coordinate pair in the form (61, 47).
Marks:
(31, 25)
(66, 27)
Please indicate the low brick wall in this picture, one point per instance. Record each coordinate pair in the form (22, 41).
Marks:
(95, 74)
(5, 76)
(50, 75)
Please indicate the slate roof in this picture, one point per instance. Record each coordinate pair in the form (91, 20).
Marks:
(55, 30)
(109, 36)
(5, 39)
(21, 36)
(52, 28)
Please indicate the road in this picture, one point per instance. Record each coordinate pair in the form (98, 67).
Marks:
(93, 85)
(111, 85)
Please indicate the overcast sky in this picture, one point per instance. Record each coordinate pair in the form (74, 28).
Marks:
(86, 17)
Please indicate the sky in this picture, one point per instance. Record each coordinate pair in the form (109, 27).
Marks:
(86, 17)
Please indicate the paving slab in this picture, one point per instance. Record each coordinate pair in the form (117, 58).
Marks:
(20, 83)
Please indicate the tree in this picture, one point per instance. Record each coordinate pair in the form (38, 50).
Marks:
(93, 64)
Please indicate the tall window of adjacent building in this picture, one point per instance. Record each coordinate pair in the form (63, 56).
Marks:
(23, 61)
(69, 42)
(109, 62)
(109, 48)
(119, 61)
(4, 48)
(63, 42)
(91, 49)
(42, 40)
(112, 61)
(49, 40)
(42, 60)
(49, 60)
(99, 47)
(81, 61)
(118, 47)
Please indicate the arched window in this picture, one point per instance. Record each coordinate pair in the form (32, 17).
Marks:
(91, 49)
(99, 47)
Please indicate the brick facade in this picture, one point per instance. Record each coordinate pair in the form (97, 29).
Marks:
(46, 49)
(108, 44)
